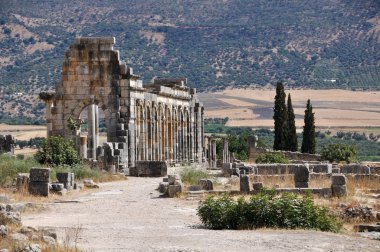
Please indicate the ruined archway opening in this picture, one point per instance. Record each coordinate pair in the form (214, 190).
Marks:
(93, 130)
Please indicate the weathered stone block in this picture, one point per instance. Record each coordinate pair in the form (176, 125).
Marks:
(194, 188)
(39, 175)
(172, 179)
(339, 190)
(320, 168)
(174, 190)
(301, 184)
(150, 169)
(244, 184)
(64, 177)
(57, 186)
(338, 179)
(22, 182)
(335, 170)
(163, 187)
(355, 168)
(39, 188)
(301, 174)
(367, 228)
(227, 169)
(206, 184)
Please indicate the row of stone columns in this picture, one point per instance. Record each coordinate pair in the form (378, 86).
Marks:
(211, 151)
(174, 135)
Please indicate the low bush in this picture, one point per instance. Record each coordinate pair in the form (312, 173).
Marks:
(191, 176)
(272, 158)
(266, 210)
(56, 150)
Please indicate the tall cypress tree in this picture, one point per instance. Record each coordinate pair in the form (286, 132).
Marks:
(291, 140)
(280, 118)
(308, 141)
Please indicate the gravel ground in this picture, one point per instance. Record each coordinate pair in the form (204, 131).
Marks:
(129, 216)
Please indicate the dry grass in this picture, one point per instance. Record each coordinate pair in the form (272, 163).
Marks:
(274, 181)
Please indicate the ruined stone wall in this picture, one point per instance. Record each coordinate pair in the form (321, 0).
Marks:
(159, 122)
(7, 144)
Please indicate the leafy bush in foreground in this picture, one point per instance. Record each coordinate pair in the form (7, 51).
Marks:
(272, 158)
(266, 210)
(56, 150)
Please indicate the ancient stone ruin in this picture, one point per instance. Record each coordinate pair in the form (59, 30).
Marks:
(7, 144)
(160, 122)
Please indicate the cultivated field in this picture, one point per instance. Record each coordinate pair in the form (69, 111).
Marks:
(333, 108)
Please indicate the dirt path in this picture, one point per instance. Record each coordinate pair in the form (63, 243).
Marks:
(129, 216)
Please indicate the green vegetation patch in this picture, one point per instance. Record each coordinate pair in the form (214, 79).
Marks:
(191, 176)
(272, 158)
(266, 210)
(10, 166)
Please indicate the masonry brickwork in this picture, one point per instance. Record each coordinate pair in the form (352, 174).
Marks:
(162, 121)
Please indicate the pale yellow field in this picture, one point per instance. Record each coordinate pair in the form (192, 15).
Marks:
(333, 95)
(333, 108)
(23, 132)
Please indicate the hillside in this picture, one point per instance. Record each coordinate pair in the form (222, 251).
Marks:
(215, 43)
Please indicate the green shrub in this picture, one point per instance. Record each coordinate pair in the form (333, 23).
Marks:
(56, 150)
(191, 176)
(10, 166)
(266, 210)
(339, 152)
(272, 158)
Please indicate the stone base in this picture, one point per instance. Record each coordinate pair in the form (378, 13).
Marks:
(206, 184)
(174, 190)
(339, 190)
(149, 169)
(244, 184)
(39, 188)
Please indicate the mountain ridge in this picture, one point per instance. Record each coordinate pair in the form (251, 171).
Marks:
(214, 43)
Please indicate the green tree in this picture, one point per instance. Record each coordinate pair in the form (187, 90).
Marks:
(56, 150)
(308, 141)
(291, 140)
(280, 118)
(339, 152)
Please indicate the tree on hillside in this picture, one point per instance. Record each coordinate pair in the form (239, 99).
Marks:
(291, 140)
(280, 118)
(308, 141)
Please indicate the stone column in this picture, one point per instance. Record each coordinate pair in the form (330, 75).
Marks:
(91, 123)
(202, 135)
(185, 147)
(214, 153)
(175, 143)
(96, 126)
(83, 147)
(192, 136)
(153, 123)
